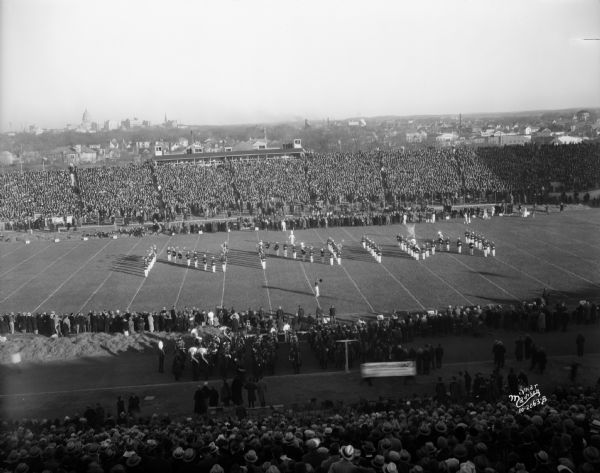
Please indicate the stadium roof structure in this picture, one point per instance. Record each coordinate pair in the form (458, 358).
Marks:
(228, 155)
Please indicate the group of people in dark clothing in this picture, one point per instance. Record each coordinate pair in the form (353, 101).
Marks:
(404, 435)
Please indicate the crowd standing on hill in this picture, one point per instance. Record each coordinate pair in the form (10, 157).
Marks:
(146, 191)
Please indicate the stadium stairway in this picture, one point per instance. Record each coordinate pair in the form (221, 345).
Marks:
(161, 202)
(77, 190)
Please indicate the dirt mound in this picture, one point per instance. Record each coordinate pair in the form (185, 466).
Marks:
(36, 348)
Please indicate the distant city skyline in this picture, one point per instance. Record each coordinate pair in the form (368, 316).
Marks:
(265, 61)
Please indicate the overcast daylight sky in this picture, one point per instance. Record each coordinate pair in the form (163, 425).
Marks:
(234, 61)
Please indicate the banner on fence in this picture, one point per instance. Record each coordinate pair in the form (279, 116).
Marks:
(393, 368)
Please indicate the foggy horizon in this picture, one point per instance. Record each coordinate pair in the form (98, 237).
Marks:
(230, 62)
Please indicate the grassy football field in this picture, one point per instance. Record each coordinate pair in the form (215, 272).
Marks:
(559, 252)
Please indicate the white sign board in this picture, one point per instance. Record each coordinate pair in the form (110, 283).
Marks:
(393, 368)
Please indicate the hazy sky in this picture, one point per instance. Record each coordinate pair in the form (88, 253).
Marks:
(232, 61)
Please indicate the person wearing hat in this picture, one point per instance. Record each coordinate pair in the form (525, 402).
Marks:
(377, 463)
(334, 456)
(251, 462)
(390, 468)
(368, 453)
(189, 461)
(394, 442)
(210, 458)
(22, 468)
(35, 458)
(592, 456)
(345, 463)
(134, 464)
(314, 456)
(291, 446)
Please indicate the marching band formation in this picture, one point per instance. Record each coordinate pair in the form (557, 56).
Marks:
(331, 255)
(473, 240)
(149, 260)
(373, 248)
(186, 257)
(335, 251)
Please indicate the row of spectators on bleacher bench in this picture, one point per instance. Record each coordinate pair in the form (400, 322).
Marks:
(407, 435)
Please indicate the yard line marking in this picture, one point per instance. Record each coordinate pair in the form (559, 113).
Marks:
(25, 260)
(224, 274)
(110, 273)
(351, 280)
(574, 239)
(70, 277)
(394, 278)
(13, 251)
(403, 287)
(552, 264)
(449, 285)
(483, 277)
(525, 273)
(266, 282)
(144, 279)
(309, 285)
(530, 276)
(39, 273)
(559, 248)
(185, 273)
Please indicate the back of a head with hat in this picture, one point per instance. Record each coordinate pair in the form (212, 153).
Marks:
(347, 452)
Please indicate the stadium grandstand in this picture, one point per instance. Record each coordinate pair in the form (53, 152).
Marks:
(277, 180)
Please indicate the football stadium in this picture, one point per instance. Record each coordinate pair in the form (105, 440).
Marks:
(299, 237)
(345, 283)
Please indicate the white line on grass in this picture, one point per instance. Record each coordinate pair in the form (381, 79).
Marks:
(13, 251)
(394, 278)
(144, 279)
(266, 282)
(596, 247)
(110, 273)
(187, 268)
(449, 285)
(70, 277)
(310, 285)
(552, 264)
(24, 261)
(559, 248)
(526, 274)
(224, 274)
(483, 277)
(40, 273)
(351, 280)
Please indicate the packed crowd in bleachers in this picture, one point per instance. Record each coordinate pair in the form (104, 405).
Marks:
(576, 167)
(400, 435)
(195, 189)
(45, 192)
(118, 191)
(145, 191)
(264, 180)
(346, 177)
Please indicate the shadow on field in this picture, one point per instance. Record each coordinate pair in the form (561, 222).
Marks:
(293, 291)
(496, 300)
(588, 292)
(356, 253)
(487, 273)
(247, 259)
(128, 264)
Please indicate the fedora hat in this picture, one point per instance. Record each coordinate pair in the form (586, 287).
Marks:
(251, 456)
